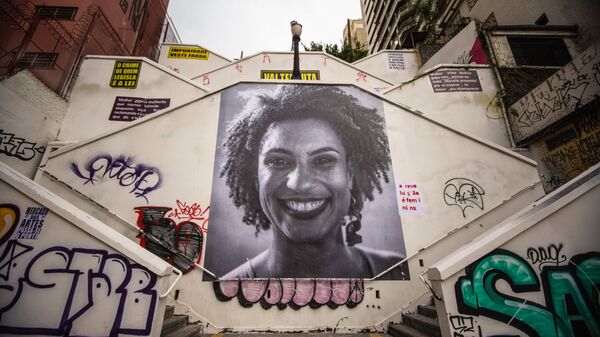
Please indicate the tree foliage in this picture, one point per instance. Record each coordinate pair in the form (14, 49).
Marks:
(346, 52)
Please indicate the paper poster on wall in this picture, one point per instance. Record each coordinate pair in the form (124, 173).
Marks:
(126, 74)
(127, 109)
(396, 61)
(455, 80)
(410, 199)
(307, 75)
(32, 223)
(303, 185)
(188, 53)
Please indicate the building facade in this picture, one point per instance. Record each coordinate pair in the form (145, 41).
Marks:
(50, 37)
(354, 33)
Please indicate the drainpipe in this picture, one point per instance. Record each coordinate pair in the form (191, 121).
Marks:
(501, 86)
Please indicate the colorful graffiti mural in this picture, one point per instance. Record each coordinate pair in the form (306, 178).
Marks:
(67, 289)
(293, 293)
(142, 178)
(570, 290)
(178, 243)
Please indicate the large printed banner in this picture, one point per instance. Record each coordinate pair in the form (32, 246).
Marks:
(307, 75)
(188, 53)
(303, 185)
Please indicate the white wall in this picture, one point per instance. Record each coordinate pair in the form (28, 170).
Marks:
(476, 113)
(180, 144)
(30, 116)
(186, 64)
(395, 66)
(533, 275)
(92, 98)
(331, 69)
(68, 273)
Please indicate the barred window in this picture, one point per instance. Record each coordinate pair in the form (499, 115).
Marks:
(37, 60)
(56, 12)
(539, 51)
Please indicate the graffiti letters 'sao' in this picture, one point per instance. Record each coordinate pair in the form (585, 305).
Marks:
(464, 193)
(143, 179)
(18, 147)
(178, 243)
(293, 293)
(571, 294)
(64, 290)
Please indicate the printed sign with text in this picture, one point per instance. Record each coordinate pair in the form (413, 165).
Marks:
(455, 80)
(188, 53)
(126, 74)
(307, 75)
(127, 109)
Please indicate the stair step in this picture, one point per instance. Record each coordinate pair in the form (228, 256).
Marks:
(300, 334)
(169, 311)
(173, 323)
(403, 330)
(191, 330)
(428, 325)
(427, 310)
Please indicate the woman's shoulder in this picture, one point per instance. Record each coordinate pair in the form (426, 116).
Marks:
(379, 260)
(246, 269)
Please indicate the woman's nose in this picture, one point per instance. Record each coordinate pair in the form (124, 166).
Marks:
(301, 179)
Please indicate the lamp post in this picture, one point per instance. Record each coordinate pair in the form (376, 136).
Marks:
(296, 32)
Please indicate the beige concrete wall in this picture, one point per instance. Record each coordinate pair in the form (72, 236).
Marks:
(395, 66)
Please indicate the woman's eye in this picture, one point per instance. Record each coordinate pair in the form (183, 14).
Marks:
(278, 163)
(324, 161)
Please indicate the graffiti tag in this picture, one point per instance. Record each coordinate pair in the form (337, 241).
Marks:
(293, 293)
(18, 147)
(544, 255)
(571, 293)
(463, 193)
(79, 285)
(143, 179)
(179, 244)
(193, 212)
(9, 218)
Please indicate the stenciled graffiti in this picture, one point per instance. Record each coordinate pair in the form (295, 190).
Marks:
(571, 294)
(142, 179)
(77, 286)
(464, 193)
(33, 221)
(18, 147)
(544, 255)
(293, 293)
(178, 243)
(9, 218)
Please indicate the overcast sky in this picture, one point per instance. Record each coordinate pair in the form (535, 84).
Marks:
(228, 27)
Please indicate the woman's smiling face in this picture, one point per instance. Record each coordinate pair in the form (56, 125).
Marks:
(303, 179)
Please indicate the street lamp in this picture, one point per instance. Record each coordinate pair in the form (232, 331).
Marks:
(296, 32)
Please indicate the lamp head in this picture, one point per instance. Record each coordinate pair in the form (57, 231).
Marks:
(296, 28)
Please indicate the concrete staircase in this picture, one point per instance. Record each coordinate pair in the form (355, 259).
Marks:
(424, 323)
(178, 325)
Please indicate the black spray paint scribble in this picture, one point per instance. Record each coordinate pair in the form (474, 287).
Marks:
(18, 147)
(545, 255)
(463, 326)
(463, 193)
(142, 178)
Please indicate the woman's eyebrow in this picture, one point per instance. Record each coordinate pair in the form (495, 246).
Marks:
(323, 149)
(279, 150)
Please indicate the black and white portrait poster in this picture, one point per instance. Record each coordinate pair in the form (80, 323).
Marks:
(303, 186)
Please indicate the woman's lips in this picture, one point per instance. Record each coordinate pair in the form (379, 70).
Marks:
(304, 208)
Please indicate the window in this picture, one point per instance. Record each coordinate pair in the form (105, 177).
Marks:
(56, 13)
(529, 51)
(37, 60)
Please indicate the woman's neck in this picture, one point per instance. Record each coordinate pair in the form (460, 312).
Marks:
(329, 256)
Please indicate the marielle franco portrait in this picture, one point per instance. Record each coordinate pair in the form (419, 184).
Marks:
(303, 186)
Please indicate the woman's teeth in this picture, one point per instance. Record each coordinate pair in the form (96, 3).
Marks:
(304, 206)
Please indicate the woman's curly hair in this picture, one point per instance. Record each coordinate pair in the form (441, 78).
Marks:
(360, 129)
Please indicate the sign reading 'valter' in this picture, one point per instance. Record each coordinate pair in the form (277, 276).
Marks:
(189, 53)
(125, 74)
(307, 75)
